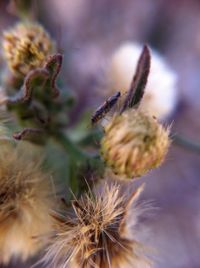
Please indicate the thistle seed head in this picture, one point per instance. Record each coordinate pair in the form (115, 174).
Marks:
(134, 143)
(25, 203)
(95, 236)
(26, 46)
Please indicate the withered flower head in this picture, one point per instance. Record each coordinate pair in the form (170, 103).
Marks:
(24, 204)
(26, 46)
(134, 143)
(96, 236)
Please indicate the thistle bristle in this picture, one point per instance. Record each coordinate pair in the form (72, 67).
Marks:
(95, 236)
(24, 204)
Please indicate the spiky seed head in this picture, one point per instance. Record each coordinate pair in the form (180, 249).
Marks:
(26, 46)
(134, 143)
(25, 204)
(96, 234)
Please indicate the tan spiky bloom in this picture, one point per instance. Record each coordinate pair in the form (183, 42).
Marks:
(96, 236)
(26, 46)
(24, 204)
(134, 143)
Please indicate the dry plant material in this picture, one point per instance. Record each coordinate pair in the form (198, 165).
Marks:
(96, 235)
(26, 47)
(134, 143)
(25, 202)
(139, 81)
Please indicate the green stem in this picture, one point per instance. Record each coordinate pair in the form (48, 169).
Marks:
(93, 137)
(185, 142)
(74, 185)
(77, 158)
(70, 147)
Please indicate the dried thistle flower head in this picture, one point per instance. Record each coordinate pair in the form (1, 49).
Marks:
(24, 204)
(96, 236)
(160, 97)
(134, 143)
(26, 46)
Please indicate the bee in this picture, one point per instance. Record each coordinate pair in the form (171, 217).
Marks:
(105, 108)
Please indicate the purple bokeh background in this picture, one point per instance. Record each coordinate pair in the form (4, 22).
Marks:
(87, 31)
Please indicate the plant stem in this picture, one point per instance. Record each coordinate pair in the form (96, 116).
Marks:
(70, 147)
(185, 142)
(77, 159)
(93, 137)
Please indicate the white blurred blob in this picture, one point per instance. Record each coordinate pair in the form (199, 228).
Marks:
(160, 96)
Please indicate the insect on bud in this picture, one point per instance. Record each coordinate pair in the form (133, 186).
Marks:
(134, 143)
(26, 47)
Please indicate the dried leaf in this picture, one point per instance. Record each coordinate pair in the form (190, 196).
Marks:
(33, 78)
(136, 91)
(30, 134)
(53, 66)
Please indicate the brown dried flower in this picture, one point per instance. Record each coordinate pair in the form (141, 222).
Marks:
(96, 236)
(26, 47)
(24, 204)
(134, 143)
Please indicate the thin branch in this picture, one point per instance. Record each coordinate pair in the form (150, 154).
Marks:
(185, 142)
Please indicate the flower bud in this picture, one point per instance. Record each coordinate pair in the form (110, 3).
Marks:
(134, 143)
(26, 47)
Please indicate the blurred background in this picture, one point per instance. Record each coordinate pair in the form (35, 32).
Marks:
(87, 33)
